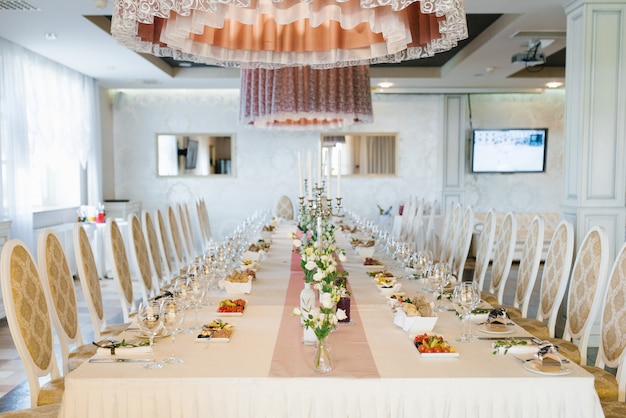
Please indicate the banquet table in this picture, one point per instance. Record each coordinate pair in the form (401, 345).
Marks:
(266, 371)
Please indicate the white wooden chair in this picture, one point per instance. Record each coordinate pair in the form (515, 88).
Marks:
(176, 240)
(463, 241)
(154, 251)
(58, 286)
(485, 249)
(140, 258)
(554, 279)
(90, 284)
(528, 270)
(116, 252)
(502, 259)
(29, 322)
(588, 278)
(164, 246)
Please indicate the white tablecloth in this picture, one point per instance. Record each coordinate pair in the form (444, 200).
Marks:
(232, 379)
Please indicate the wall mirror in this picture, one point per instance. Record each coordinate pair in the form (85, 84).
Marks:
(361, 154)
(194, 154)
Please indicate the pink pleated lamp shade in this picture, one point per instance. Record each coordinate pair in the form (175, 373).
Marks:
(274, 34)
(303, 98)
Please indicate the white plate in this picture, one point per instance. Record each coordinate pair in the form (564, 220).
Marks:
(230, 313)
(532, 367)
(439, 355)
(482, 328)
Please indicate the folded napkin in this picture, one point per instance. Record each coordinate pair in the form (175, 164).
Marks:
(130, 350)
(414, 324)
(234, 288)
(547, 358)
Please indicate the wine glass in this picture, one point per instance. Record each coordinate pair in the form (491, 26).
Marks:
(173, 315)
(195, 293)
(179, 292)
(465, 297)
(150, 322)
(422, 265)
(439, 278)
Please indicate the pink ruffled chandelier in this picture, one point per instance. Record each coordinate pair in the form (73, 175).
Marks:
(265, 37)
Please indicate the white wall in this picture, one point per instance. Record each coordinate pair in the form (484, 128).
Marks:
(265, 163)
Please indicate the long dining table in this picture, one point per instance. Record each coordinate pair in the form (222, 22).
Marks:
(266, 371)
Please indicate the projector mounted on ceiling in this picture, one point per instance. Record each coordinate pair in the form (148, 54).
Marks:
(532, 57)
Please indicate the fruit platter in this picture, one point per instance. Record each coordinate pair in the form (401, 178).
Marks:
(231, 307)
(433, 346)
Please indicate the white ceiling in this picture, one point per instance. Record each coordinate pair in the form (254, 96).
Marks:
(484, 64)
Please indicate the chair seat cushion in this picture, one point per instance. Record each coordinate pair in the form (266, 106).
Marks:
(567, 348)
(80, 355)
(605, 384)
(51, 392)
(537, 328)
(615, 409)
(490, 298)
(47, 411)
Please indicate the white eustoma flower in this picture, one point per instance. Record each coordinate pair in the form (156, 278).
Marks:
(310, 265)
(297, 312)
(319, 275)
(341, 314)
(331, 268)
(342, 257)
(326, 300)
(297, 243)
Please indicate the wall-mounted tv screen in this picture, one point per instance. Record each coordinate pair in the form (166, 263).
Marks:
(509, 150)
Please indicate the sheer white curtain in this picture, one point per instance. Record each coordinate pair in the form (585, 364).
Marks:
(48, 115)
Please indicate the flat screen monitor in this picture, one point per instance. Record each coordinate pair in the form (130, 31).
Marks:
(509, 150)
(191, 155)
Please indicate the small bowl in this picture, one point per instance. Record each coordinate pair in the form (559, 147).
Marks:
(390, 290)
(366, 252)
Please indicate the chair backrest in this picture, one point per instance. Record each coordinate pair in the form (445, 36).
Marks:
(193, 250)
(503, 255)
(529, 265)
(154, 250)
(453, 231)
(184, 227)
(284, 208)
(611, 351)
(444, 230)
(89, 279)
(175, 239)
(416, 231)
(58, 286)
(429, 236)
(164, 244)
(204, 232)
(205, 217)
(116, 252)
(27, 314)
(485, 249)
(140, 257)
(555, 275)
(586, 289)
(464, 239)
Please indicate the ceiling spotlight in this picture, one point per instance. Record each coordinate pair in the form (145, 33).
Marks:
(554, 84)
(101, 4)
(385, 84)
(50, 36)
(184, 64)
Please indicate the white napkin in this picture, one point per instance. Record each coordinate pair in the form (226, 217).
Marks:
(122, 352)
(235, 288)
(414, 324)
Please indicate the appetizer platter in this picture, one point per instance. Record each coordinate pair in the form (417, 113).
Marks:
(231, 307)
(217, 331)
(433, 346)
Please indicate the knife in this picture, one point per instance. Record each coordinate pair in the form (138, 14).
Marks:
(119, 360)
(507, 338)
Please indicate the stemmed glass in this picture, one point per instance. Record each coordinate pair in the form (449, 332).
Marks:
(439, 278)
(150, 322)
(179, 291)
(173, 315)
(195, 293)
(466, 297)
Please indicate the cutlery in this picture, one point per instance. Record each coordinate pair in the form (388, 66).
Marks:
(119, 360)
(506, 338)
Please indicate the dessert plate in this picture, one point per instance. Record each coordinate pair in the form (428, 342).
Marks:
(531, 366)
(508, 330)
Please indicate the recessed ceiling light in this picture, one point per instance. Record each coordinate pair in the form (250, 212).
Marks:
(554, 84)
(385, 85)
(50, 36)
(184, 64)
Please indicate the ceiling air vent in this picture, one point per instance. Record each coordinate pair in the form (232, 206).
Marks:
(17, 5)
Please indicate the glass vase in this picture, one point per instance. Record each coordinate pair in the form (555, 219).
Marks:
(322, 362)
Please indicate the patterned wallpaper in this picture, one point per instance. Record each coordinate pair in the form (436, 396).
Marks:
(265, 163)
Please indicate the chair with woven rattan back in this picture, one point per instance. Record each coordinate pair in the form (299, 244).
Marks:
(140, 258)
(116, 252)
(554, 279)
(176, 240)
(429, 236)
(205, 236)
(58, 286)
(29, 322)
(587, 281)
(450, 240)
(612, 347)
(464, 239)
(502, 259)
(154, 252)
(416, 230)
(527, 271)
(189, 252)
(485, 249)
(284, 208)
(90, 284)
(447, 217)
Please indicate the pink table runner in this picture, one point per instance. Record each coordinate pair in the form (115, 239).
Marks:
(350, 352)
